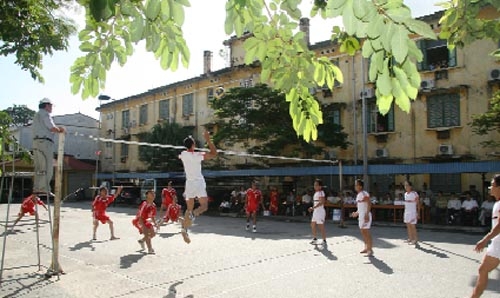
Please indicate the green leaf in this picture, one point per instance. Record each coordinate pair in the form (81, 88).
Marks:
(152, 9)
(165, 9)
(384, 103)
(421, 28)
(384, 81)
(183, 3)
(87, 47)
(177, 12)
(399, 44)
(349, 19)
(136, 29)
(402, 99)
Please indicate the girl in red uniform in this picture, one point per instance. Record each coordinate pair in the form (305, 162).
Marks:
(145, 219)
(28, 206)
(254, 199)
(101, 202)
(274, 201)
(169, 204)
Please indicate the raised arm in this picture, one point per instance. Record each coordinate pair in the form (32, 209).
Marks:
(213, 151)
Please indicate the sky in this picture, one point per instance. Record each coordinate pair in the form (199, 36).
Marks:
(142, 72)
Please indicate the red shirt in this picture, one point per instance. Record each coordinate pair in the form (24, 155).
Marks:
(168, 195)
(28, 203)
(147, 211)
(254, 196)
(101, 203)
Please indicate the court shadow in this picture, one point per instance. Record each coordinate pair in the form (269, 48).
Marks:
(82, 245)
(128, 260)
(323, 249)
(431, 251)
(380, 265)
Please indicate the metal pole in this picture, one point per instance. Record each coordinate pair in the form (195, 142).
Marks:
(55, 268)
(9, 199)
(365, 133)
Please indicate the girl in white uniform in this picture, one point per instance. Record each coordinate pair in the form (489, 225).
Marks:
(364, 216)
(492, 258)
(318, 211)
(412, 211)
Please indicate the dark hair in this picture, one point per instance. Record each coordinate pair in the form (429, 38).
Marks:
(496, 178)
(360, 182)
(408, 182)
(188, 142)
(43, 105)
(169, 183)
(103, 188)
(149, 191)
(320, 183)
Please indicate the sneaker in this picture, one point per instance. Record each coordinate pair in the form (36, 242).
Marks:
(324, 242)
(254, 229)
(151, 252)
(185, 236)
(192, 217)
(247, 227)
(314, 241)
(141, 243)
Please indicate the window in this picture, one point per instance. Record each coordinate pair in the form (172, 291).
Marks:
(443, 110)
(446, 183)
(334, 118)
(187, 105)
(164, 109)
(143, 114)
(210, 95)
(126, 119)
(123, 153)
(377, 122)
(436, 55)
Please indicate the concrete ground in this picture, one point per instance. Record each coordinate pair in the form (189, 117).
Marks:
(224, 260)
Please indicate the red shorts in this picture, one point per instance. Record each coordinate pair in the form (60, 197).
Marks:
(166, 202)
(172, 213)
(136, 224)
(31, 211)
(102, 217)
(252, 208)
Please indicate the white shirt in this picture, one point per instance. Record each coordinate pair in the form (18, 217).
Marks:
(487, 205)
(316, 198)
(454, 204)
(192, 164)
(495, 218)
(469, 204)
(361, 204)
(411, 201)
(306, 198)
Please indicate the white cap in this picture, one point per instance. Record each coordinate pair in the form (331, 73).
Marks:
(45, 100)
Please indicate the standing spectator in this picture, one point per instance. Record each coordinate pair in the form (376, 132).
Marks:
(101, 202)
(492, 258)
(318, 211)
(412, 213)
(290, 203)
(454, 209)
(441, 208)
(486, 210)
(254, 199)
(169, 195)
(273, 201)
(28, 206)
(195, 182)
(145, 219)
(364, 215)
(43, 147)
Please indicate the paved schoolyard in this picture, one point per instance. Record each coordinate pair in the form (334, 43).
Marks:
(224, 260)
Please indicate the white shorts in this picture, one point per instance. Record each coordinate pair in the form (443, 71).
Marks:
(365, 225)
(410, 218)
(196, 189)
(493, 249)
(319, 216)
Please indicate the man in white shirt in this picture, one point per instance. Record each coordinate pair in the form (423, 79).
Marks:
(469, 209)
(454, 209)
(486, 208)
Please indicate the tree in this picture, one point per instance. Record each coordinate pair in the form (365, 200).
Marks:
(163, 159)
(20, 114)
(380, 29)
(258, 118)
(30, 29)
(483, 124)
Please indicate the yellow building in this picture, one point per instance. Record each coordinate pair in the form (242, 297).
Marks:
(455, 85)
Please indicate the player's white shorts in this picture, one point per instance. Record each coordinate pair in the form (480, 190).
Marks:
(410, 217)
(493, 249)
(365, 225)
(319, 216)
(195, 189)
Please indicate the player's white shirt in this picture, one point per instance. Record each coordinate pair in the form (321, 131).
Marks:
(411, 201)
(495, 217)
(192, 164)
(362, 205)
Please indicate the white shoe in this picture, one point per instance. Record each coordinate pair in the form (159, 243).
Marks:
(247, 227)
(254, 229)
(314, 241)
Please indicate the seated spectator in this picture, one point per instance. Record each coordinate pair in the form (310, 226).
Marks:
(349, 199)
(399, 199)
(469, 209)
(441, 208)
(454, 209)
(225, 206)
(486, 209)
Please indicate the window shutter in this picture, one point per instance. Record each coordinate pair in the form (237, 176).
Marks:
(452, 57)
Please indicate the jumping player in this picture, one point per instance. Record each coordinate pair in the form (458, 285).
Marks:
(254, 199)
(364, 216)
(144, 221)
(195, 182)
(101, 202)
(28, 206)
(169, 195)
(318, 211)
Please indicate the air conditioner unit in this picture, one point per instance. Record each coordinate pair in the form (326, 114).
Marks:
(367, 93)
(494, 74)
(445, 150)
(381, 153)
(427, 84)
